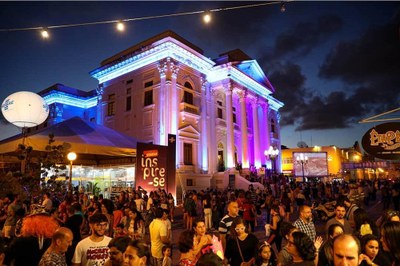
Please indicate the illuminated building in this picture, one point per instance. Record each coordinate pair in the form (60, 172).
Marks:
(222, 111)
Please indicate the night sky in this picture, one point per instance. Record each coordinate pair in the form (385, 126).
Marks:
(331, 63)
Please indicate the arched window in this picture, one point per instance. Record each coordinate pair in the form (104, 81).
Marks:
(187, 95)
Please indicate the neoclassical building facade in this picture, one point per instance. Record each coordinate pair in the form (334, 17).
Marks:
(222, 111)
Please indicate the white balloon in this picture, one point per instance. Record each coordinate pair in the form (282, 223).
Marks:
(25, 109)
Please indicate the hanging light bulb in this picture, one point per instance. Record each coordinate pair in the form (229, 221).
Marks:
(283, 7)
(207, 17)
(45, 33)
(120, 26)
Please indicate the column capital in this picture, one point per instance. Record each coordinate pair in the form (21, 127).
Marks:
(162, 67)
(242, 93)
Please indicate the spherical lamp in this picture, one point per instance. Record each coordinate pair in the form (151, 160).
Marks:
(25, 109)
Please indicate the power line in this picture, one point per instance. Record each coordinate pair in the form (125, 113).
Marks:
(188, 13)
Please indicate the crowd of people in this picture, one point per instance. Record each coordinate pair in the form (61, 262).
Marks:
(218, 227)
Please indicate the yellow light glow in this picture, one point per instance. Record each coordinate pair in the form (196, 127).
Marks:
(45, 34)
(120, 26)
(207, 18)
(71, 156)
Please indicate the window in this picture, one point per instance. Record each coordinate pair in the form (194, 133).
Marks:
(188, 97)
(111, 105)
(148, 84)
(187, 154)
(189, 183)
(188, 85)
(234, 115)
(128, 104)
(219, 110)
(129, 81)
(148, 97)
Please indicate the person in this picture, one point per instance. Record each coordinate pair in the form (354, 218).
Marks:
(207, 211)
(117, 248)
(185, 247)
(242, 246)
(390, 236)
(166, 250)
(107, 208)
(275, 236)
(54, 255)
(350, 208)
(93, 250)
(371, 255)
(266, 256)
(158, 237)
(226, 222)
(340, 211)
(209, 259)
(284, 257)
(325, 257)
(363, 225)
(200, 237)
(136, 229)
(47, 203)
(388, 215)
(36, 233)
(137, 254)
(346, 250)
(249, 211)
(302, 249)
(171, 206)
(11, 220)
(304, 223)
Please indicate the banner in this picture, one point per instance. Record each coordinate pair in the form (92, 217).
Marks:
(155, 166)
(383, 141)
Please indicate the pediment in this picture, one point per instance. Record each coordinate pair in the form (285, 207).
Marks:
(189, 131)
(252, 69)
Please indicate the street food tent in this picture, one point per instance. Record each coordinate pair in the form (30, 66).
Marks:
(105, 156)
(94, 144)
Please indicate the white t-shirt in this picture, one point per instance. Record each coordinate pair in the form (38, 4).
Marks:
(157, 229)
(90, 253)
(47, 204)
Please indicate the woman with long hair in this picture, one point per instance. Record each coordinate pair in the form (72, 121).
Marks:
(107, 208)
(242, 246)
(371, 253)
(363, 224)
(325, 255)
(390, 236)
(136, 229)
(302, 249)
(185, 247)
(276, 221)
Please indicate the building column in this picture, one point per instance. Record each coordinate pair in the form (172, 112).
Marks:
(230, 140)
(204, 154)
(160, 134)
(101, 105)
(213, 149)
(244, 129)
(173, 109)
(256, 134)
(265, 126)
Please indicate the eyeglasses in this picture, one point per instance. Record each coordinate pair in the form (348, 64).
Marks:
(240, 229)
(101, 224)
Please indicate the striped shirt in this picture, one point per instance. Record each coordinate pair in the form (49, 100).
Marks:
(225, 224)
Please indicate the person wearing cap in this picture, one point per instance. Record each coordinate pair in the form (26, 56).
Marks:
(93, 250)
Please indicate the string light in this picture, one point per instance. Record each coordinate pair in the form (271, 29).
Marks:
(120, 26)
(207, 17)
(45, 33)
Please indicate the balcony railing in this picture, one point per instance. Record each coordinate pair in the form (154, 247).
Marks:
(189, 108)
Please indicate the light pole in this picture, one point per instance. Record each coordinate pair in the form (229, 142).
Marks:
(272, 153)
(302, 159)
(71, 157)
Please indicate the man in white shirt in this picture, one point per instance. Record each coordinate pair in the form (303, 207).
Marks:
(158, 236)
(47, 202)
(93, 250)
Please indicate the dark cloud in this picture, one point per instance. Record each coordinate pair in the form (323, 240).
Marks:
(304, 36)
(375, 54)
(289, 81)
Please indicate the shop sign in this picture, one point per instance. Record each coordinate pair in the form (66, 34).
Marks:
(155, 166)
(383, 141)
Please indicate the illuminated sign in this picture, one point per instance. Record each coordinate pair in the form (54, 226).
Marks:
(156, 166)
(383, 141)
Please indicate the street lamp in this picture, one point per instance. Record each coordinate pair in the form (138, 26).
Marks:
(272, 153)
(71, 157)
(302, 159)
